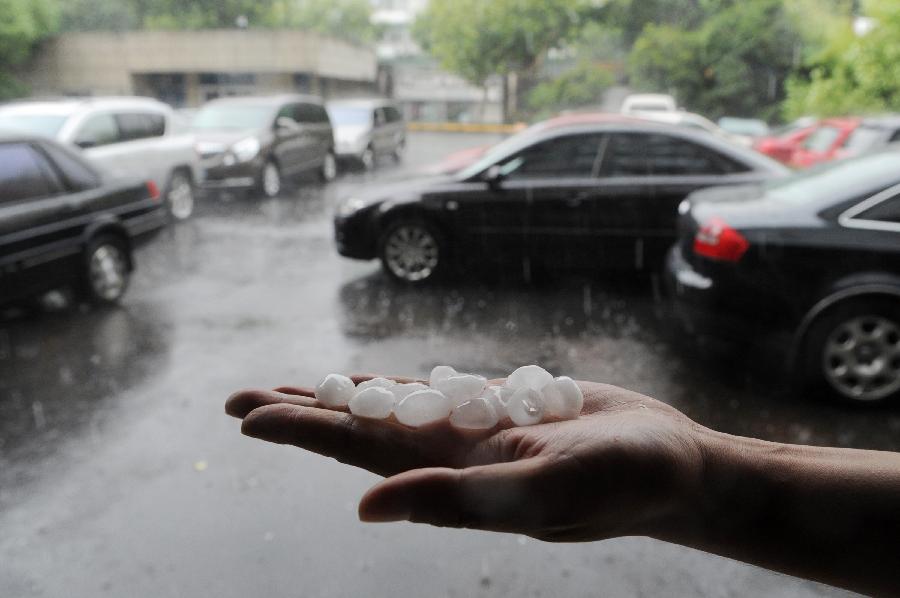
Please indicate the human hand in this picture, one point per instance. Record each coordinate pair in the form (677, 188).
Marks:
(627, 466)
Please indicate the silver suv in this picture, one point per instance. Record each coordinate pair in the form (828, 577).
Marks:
(125, 136)
(365, 130)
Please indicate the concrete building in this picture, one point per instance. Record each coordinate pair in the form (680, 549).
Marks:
(190, 67)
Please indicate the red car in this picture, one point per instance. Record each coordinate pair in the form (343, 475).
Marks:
(785, 142)
(824, 143)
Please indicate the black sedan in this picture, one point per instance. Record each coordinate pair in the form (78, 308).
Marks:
(62, 223)
(583, 196)
(811, 262)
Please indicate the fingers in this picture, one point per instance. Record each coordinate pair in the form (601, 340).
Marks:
(398, 379)
(506, 497)
(381, 447)
(243, 402)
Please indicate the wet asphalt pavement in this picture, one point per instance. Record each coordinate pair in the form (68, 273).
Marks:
(120, 475)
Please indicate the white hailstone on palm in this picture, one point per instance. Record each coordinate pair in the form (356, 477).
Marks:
(498, 397)
(563, 398)
(335, 390)
(375, 383)
(440, 372)
(529, 376)
(462, 387)
(526, 407)
(374, 403)
(422, 407)
(401, 391)
(475, 414)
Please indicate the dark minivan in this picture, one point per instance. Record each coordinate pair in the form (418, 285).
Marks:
(259, 142)
(62, 223)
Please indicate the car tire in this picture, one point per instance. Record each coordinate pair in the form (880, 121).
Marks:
(107, 270)
(329, 170)
(397, 154)
(367, 158)
(852, 352)
(270, 180)
(180, 195)
(412, 252)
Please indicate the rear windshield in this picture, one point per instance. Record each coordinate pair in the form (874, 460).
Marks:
(350, 115)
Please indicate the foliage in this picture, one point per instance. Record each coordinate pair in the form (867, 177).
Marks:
(735, 63)
(348, 19)
(24, 24)
(582, 85)
(98, 15)
(852, 74)
(476, 39)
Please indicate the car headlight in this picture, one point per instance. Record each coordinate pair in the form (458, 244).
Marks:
(684, 207)
(350, 206)
(246, 149)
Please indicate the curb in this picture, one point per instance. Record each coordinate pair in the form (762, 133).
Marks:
(448, 127)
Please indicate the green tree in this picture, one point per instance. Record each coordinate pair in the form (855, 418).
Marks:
(98, 15)
(852, 75)
(581, 85)
(346, 19)
(736, 62)
(25, 23)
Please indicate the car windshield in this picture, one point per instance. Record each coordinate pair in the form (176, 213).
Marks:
(233, 116)
(45, 125)
(501, 150)
(837, 179)
(822, 139)
(864, 138)
(350, 115)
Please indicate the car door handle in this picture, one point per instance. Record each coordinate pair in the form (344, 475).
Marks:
(576, 200)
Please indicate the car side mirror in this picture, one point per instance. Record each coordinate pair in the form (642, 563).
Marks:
(493, 176)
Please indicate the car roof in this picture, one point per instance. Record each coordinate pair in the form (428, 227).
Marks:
(885, 121)
(578, 118)
(841, 121)
(15, 136)
(267, 100)
(70, 106)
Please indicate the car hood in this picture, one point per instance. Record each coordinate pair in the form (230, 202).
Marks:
(403, 190)
(350, 132)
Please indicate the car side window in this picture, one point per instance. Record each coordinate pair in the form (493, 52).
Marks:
(380, 117)
(895, 136)
(140, 125)
(291, 111)
(98, 130)
(25, 174)
(562, 157)
(885, 211)
(312, 114)
(639, 154)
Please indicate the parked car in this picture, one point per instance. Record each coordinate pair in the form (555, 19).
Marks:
(871, 134)
(366, 130)
(824, 143)
(812, 261)
(259, 142)
(648, 102)
(62, 223)
(126, 136)
(582, 196)
(783, 142)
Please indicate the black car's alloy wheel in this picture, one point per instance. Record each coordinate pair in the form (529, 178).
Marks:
(858, 352)
(411, 252)
(107, 271)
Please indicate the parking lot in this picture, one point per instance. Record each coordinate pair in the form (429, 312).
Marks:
(120, 474)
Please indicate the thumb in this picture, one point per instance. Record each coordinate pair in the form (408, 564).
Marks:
(498, 497)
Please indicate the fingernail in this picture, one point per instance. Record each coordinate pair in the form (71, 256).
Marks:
(385, 513)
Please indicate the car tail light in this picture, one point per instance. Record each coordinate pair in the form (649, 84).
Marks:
(718, 241)
(153, 190)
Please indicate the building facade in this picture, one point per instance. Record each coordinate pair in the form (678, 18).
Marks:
(188, 68)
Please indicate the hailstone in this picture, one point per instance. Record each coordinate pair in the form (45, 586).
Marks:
(335, 390)
(439, 373)
(375, 383)
(563, 398)
(529, 376)
(526, 407)
(462, 387)
(476, 414)
(373, 403)
(401, 391)
(422, 407)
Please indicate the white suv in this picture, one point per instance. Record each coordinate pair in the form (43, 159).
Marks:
(127, 136)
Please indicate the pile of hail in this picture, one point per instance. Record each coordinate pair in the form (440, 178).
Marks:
(529, 395)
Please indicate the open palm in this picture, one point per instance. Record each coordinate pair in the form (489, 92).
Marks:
(621, 468)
